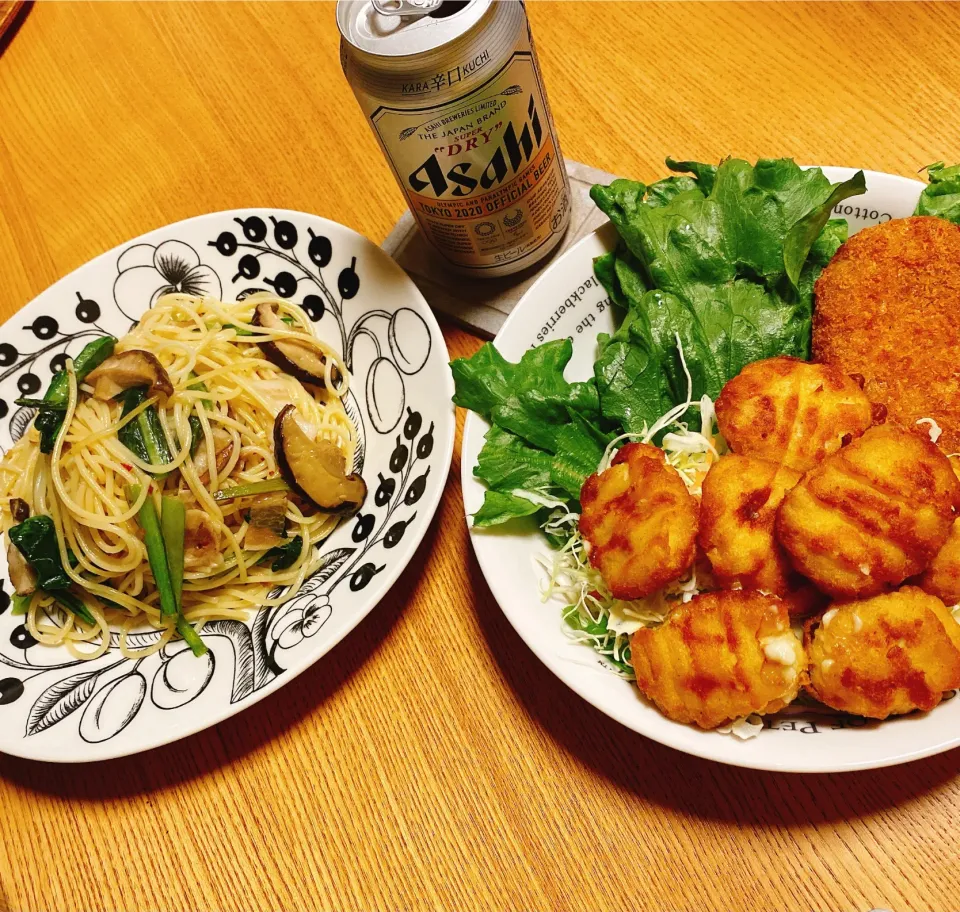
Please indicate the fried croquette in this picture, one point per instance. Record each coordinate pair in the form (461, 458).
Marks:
(871, 515)
(741, 495)
(888, 308)
(791, 411)
(884, 656)
(721, 656)
(640, 522)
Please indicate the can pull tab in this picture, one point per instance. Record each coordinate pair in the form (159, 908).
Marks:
(408, 8)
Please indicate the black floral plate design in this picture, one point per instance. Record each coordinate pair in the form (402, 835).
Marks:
(56, 708)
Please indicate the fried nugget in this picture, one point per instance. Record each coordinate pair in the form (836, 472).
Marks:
(942, 577)
(741, 495)
(871, 515)
(884, 656)
(640, 522)
(791, 411)
(888, 308)
(721, 656)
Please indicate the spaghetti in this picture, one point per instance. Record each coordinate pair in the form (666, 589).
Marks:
(215, 431)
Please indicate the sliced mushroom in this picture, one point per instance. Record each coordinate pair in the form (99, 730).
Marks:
(126, 370)
(222, 447)
(22, 575)
(303, 360)
(315, 469)
(268, 521)
(201, 543)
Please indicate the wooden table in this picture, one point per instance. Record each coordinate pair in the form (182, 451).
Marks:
(430, 761)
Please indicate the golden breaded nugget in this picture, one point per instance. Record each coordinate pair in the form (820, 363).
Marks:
(942, 577)
(721, 656)
(790, 411)
(871, 515)
(640, 522)
(888, 308)
(741, 495)
(884, 656)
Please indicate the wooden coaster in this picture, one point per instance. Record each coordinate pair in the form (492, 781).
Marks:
(483, 304)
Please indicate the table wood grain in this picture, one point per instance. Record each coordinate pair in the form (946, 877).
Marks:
(429, 761)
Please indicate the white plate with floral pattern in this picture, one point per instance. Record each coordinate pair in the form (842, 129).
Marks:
(53, 707)
(569, 301)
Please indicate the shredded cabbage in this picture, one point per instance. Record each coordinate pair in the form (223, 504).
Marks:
(744, 729)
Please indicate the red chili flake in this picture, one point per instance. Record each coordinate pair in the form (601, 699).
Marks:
(127, 466)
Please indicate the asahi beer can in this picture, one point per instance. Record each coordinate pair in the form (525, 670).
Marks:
(454, 95)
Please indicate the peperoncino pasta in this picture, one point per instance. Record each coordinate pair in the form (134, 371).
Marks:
(216, 430)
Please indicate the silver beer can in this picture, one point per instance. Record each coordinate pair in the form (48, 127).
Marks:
(453, 93)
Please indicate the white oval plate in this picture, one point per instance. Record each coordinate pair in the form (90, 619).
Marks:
(568, 301)
(53, 707)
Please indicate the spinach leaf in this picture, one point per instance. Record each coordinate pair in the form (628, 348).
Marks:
(69, 601)
(941, 197)
(33, 402)
(143, 436)
(284, 555)
(49, 420)
(196, 428)
(36, 538)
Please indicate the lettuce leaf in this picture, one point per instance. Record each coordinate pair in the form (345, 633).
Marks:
(507, 462)
(546, 433)
(498, 507)
(704, 174)
(715, 268)
(941, 197)
(732, 256)
(803, 235)
(530, 398)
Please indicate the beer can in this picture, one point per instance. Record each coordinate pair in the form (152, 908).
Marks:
(454, 95)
